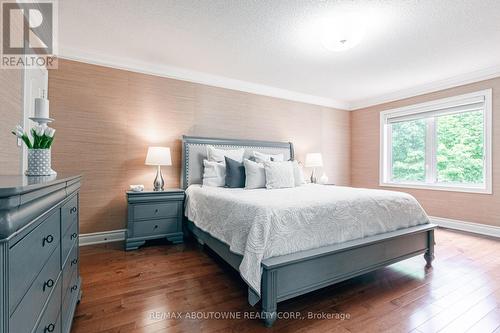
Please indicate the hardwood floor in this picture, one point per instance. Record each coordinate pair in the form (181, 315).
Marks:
(144, 290)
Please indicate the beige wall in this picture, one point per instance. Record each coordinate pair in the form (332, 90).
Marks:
(106, 118)
(11, 114)
(479, 208)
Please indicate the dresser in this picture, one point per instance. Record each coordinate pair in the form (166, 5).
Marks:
(39, 258)
(153, 215)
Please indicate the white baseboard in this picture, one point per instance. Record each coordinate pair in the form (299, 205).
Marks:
(477, 228)
(102, 237)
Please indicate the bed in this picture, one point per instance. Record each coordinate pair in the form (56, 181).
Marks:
(289, 242)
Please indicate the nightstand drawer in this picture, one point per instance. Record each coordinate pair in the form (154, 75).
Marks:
(158, 210)
(154, 227)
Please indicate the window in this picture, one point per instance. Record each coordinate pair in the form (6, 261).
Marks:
(442, 145)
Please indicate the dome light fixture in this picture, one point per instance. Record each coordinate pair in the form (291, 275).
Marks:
(342, 33)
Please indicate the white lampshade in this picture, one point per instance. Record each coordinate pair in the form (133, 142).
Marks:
(158, 156)
(314, 160)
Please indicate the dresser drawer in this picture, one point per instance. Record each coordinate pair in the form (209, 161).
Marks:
(69, 240)
(157, 210)
(51, 318)
(69, 213)
(30, 254)
(69, 299)
(69, 268)
(154, 227)
(26, 313)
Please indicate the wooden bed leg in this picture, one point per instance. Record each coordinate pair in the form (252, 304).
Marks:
(429, 254)
(269, 296)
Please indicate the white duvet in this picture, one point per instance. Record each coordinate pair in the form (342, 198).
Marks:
(261, 224)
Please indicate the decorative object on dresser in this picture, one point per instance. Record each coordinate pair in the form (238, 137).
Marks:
(153, 215)
(314, 160)
(39, 154)
(158, 156)
(39, 265)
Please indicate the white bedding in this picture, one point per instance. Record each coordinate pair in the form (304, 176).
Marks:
(260, 223)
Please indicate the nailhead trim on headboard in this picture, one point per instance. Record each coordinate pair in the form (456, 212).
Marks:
(188, 142)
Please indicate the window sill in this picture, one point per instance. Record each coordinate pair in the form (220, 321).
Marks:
(449, 188)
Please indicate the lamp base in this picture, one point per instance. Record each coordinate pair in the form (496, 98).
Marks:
(158, 182)
(313, 176)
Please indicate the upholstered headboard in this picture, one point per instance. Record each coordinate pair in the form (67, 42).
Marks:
(194, 151)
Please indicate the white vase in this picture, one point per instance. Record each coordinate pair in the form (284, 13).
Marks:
(323, 179)
(39, 163)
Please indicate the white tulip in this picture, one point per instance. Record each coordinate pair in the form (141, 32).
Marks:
(17, 132)
(50, 132)
(39, 130)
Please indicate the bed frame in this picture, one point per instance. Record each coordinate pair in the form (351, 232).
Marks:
(287, 276)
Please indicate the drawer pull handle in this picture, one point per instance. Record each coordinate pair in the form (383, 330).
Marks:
(73, 210)
(74, 261)
(156, 211)
(48, 284)
(49, 239)
(49, 328)
(74, 235)
(73, 288)
(156, 226)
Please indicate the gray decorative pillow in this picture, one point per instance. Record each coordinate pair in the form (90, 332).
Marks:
(279, 174)
(235, 173)
(255, 175)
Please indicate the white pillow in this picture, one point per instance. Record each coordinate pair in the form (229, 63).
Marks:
(217, 155)
(255, 174)
(214, 173)
(261, 157)
(279, 174)
(298, 174)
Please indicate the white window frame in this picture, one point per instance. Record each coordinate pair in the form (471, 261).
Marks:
(386, 146)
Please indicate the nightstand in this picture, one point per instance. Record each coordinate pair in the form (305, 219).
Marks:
(153, 215)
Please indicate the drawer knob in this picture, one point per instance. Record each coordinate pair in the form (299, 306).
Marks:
(48, 284)
(73, 210)
(73, 288)
(47, 240)
(156, 211)
(49, 328)
(74, 235)
(156, 226)
(74, 261)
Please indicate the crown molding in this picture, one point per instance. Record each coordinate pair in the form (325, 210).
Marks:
(455, 81)
(260, 89)
(197, 77)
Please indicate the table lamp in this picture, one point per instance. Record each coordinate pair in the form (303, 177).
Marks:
(314, 160)
(158, 156)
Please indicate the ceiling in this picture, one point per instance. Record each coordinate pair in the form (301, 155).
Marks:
(274, 47)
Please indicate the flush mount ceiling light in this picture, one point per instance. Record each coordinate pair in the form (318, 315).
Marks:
(340, 29)
(342, 33)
